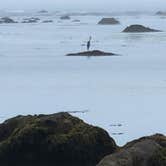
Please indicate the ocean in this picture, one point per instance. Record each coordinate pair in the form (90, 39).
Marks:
(37, 78)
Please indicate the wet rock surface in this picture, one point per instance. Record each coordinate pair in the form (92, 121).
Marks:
(92, 53)
(139, 28)
(108, 21)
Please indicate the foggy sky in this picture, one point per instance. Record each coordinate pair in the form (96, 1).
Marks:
(85, 4)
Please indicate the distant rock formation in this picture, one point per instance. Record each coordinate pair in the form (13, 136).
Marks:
(161, 13)
(76, 20)
(7, 20)
(65, 17)
(108, 21)
(48, 21)
(147, 151)
(139, 28)
(92, 53)
(31, 20)
(43, 11)
(48, 140)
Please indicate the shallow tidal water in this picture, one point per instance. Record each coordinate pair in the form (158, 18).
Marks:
(36, 76)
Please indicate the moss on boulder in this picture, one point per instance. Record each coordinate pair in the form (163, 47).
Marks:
(57, 139)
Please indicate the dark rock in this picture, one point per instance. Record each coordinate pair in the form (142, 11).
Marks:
(31, 20)
(66, 17)
(139, 28)
(48, 140)
(92, 53)
(7, 20)
(76, 21)
(43, 11)
(47, 21)
(147, 151)
(108, 21)
(161, 13)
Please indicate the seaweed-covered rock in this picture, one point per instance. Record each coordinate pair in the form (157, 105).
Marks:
(65, 17)
(92, 53)
(147, 151)
(108, 21)
(49, 140)
(7, 20)
(139, 28)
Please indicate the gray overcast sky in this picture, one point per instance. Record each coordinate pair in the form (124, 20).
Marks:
(85, 4)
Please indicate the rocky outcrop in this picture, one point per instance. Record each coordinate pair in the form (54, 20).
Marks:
(31, 20)
(43, 11)
(108, 21)
(147, 151)
(160, 13)
(7, 20)
(47, 21)
(139, 28)
(65, 17)
(92, 53)
(76, 20)
(57, 139)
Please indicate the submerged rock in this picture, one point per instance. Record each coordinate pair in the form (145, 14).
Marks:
(58, 139)
(92, 53)
(139, 28)
(65, 17)
(108, 21)
(147, 151)
(7, 20)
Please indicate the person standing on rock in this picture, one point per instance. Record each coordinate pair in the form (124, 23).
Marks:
(89, 43)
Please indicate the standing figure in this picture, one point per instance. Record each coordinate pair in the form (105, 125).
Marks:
(89, 43)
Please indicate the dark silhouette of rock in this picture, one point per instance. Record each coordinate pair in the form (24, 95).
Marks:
(65, 17)
(48, 21)
(92, 53)
(161, 13)
(31, 20)
(7, 20)
(48, 140)
(147, 151)
(43, 11)
(76, 20)
(108, 21)
(139, 28)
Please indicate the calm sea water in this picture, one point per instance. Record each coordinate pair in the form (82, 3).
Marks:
(36, 76)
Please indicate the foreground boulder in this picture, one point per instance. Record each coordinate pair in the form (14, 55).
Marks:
(92, 53)
(147, 151)
(108, 21)
(48, 140)
(7, 20)
(139, 28)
